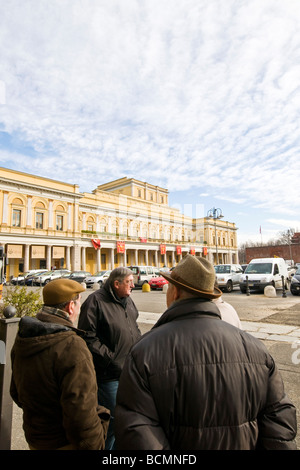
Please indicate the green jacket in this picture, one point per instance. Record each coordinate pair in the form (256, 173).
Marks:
(54, 382)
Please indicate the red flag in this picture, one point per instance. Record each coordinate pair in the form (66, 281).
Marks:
(96, 243)
(162, 249)
(120, 247)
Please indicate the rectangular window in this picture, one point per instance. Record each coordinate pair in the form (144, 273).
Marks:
(16, 218)
(39, 219)
(59, 222)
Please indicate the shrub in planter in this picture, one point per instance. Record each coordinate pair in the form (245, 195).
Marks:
(26, 302)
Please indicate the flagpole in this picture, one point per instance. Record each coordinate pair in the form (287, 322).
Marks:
(260, 235)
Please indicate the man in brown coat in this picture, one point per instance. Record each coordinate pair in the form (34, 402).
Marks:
(53, 376)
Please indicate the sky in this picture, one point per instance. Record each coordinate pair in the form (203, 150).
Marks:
(201, 97)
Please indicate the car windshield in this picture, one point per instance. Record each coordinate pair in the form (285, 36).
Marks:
(223, 268)
(134, 270)
(100, 273)
(259, 268)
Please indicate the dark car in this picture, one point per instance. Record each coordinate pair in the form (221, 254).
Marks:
(78, 276)
(295, 283)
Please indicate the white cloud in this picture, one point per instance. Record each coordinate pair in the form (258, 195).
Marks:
(183, 94)
(292, 223)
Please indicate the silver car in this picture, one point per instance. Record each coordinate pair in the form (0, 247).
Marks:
(99, 278)
(44, 278)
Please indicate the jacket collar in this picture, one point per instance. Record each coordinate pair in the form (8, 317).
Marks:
(55, 315)
(109, 289)
(189, 308)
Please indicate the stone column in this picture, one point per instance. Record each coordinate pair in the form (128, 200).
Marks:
(5, 207)
(49, 257)
(68, 258)
(83, 258)
(29, 213)
(26, 258)
(98, 257)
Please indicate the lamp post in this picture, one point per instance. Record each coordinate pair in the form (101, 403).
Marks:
(215, 213)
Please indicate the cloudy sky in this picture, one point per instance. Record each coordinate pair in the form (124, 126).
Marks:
(198, 96)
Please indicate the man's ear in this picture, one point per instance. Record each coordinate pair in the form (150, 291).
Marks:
(68, 307)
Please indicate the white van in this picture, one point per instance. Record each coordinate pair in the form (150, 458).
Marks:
(143, 274)
(264, 272)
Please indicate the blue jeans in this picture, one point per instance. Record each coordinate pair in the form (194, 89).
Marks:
(107, 392)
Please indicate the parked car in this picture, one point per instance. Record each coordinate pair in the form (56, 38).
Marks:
(143, 274)
(29, 281)
(157, 282)
(262, 272)
(99, 277)
(291, 271)
(295, 283)
(228, 276)
(20, 279)
(165, 270)
(44, 278)
(78, 276)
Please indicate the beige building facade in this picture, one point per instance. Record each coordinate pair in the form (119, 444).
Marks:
(50, 224)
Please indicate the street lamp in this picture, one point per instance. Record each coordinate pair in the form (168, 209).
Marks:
(215, 213)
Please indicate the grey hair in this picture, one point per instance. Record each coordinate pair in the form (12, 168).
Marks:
(118, 274)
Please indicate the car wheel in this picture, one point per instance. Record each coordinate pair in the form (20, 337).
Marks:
(46, 282)
(243, 290)
(229, 286)
(100, 283)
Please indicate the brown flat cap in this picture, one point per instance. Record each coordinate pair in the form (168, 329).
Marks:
(195, 274)
(61, 290)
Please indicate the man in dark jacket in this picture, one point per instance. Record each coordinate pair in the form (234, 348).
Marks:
(53, 376)
(196, 382)
(109, 317)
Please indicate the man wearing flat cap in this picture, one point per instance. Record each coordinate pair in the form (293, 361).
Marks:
(195, 382)
(53, 376)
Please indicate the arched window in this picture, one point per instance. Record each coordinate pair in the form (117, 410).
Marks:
(39, 215)
(17, 212)
(60, 217)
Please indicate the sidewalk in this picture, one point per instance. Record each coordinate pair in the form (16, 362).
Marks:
(263, 331)
(272, 332)
(280, 339)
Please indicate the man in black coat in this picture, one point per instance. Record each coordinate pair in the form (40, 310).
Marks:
(196, 382)
(109, 318)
